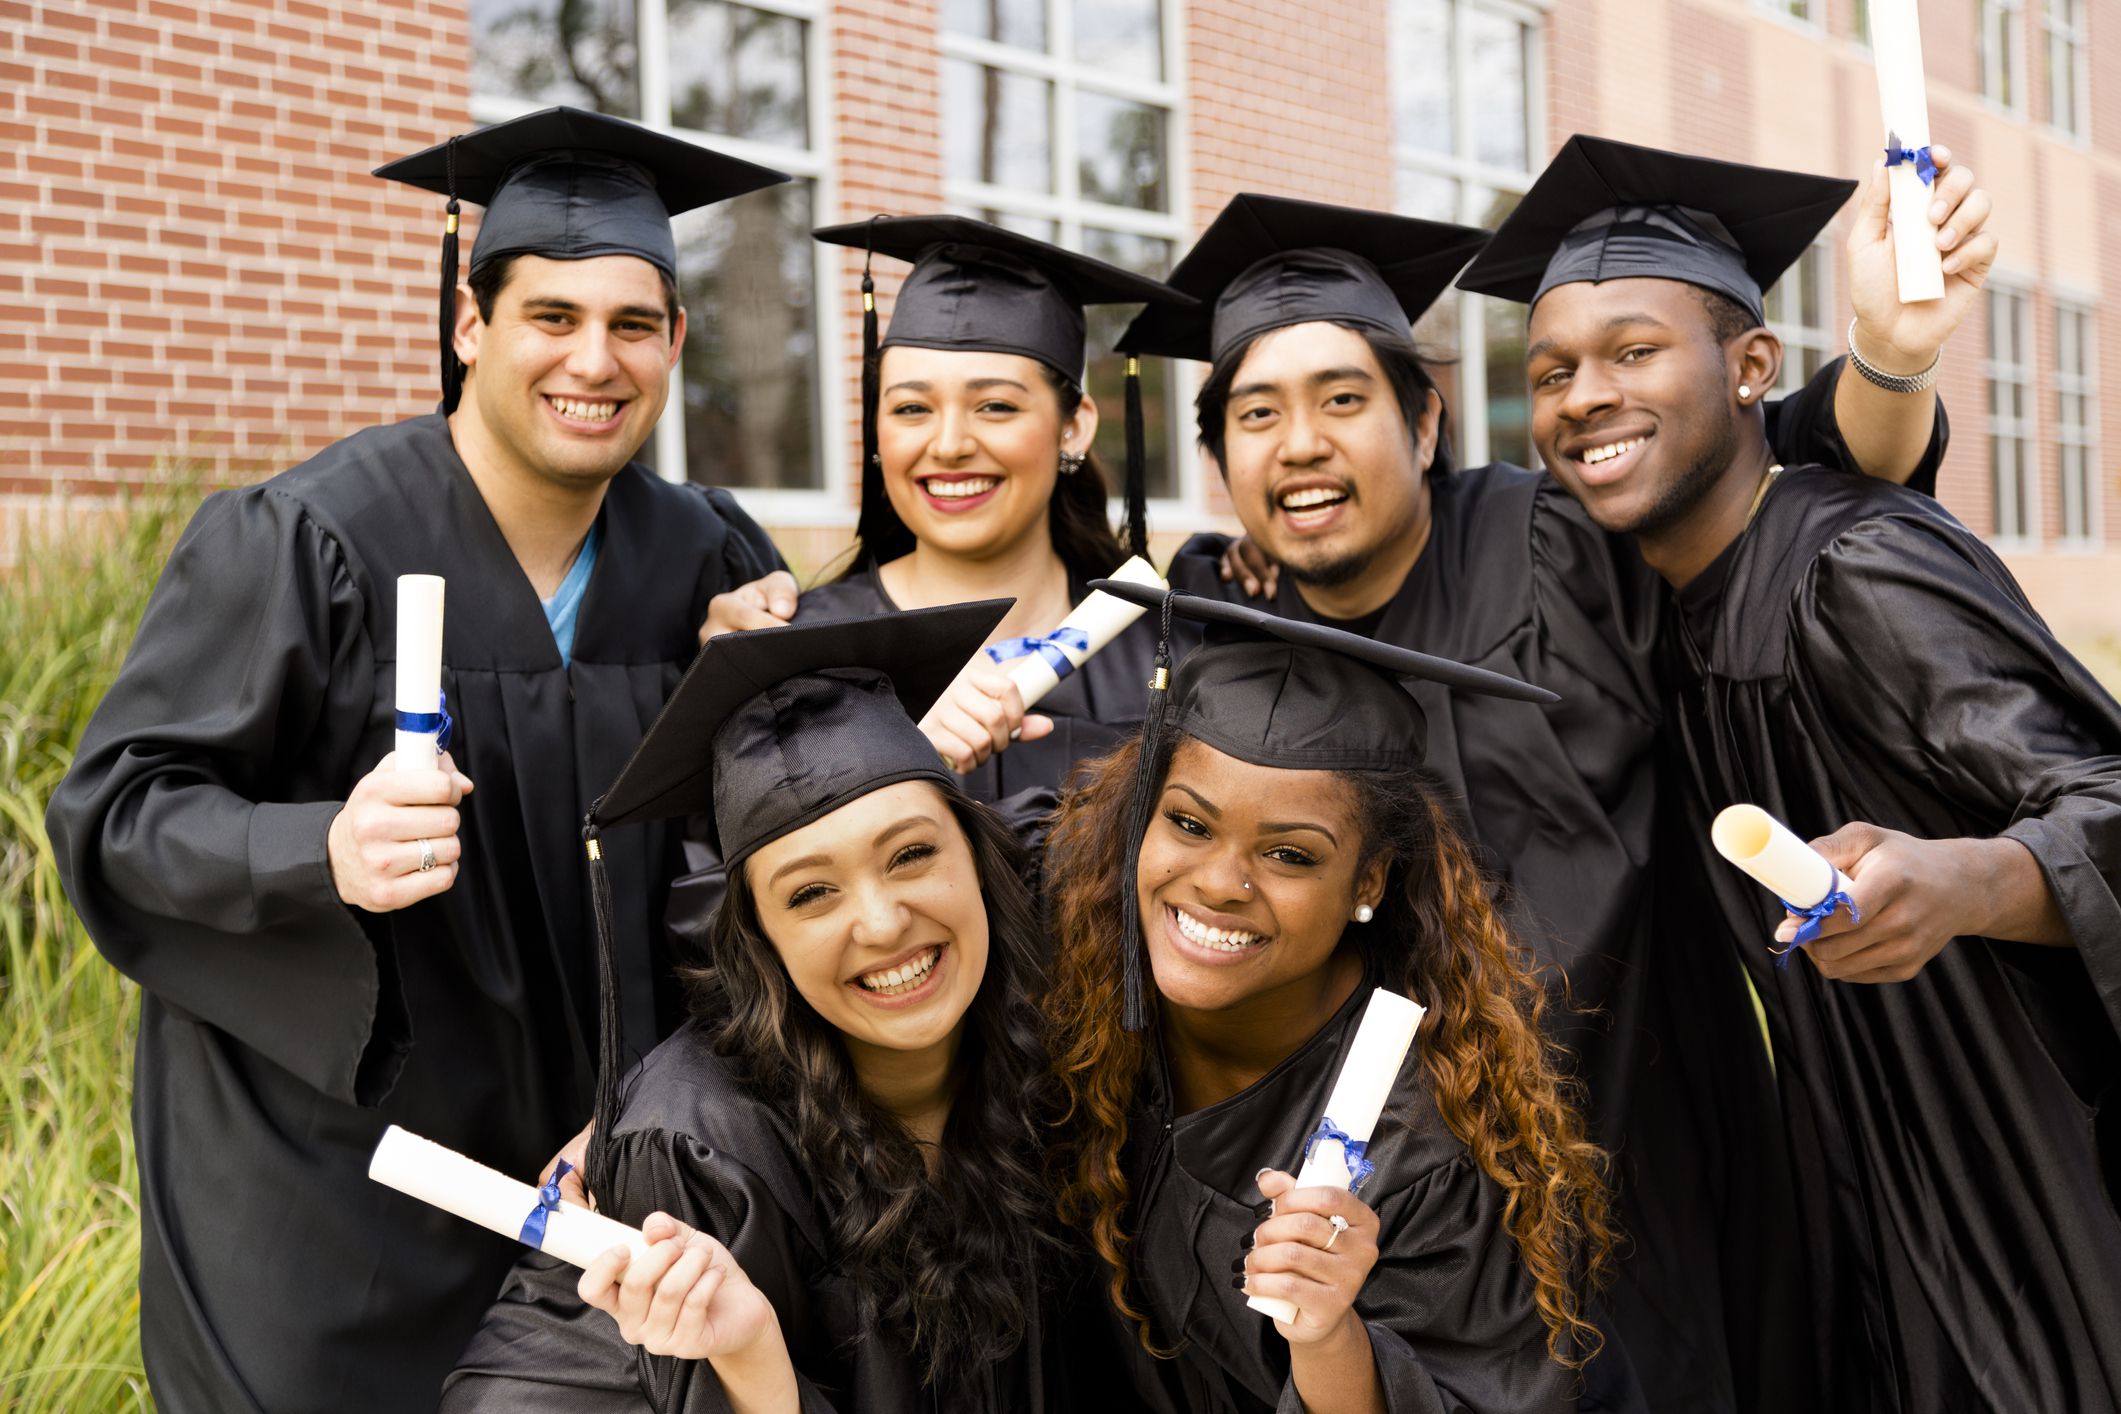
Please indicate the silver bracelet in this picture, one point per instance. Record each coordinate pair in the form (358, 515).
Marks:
(1893, 382)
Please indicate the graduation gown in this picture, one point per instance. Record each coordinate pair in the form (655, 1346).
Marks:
(1857, 654)
(280, 1029)
(695, 1144)
(1449, 1305)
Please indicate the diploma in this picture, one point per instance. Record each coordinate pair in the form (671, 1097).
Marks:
(1786, 866)
(1037, 665)
(1333, 1155)
(536, 1217)
(419, 701)
(1896, 41)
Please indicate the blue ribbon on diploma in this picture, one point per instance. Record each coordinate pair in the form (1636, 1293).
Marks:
(1817, 914)
(1925, 165)
(440, 723)
(1359, 1168)
(533, 1233)
(1047, 646)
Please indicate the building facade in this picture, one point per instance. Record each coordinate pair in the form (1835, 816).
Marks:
(197, 275)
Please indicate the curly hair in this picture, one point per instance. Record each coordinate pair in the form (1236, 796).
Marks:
(947, 1266)
(1500, 1085)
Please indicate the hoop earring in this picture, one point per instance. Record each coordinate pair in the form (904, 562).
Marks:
(1072, 462)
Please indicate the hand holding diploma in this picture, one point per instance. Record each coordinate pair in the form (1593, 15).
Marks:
(981, 712)
(536, 1217)
(1901, 336)
(395, 841)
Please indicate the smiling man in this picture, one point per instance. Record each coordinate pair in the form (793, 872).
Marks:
(1846, 654)
(326, 945)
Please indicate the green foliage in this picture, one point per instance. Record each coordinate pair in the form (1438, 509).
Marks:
(69, 1214)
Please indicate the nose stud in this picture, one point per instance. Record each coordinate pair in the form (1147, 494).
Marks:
(1248, 886)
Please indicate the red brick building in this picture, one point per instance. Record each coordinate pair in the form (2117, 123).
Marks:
(196, 268)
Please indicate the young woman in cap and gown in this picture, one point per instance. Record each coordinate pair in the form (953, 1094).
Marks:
(849, 1127)
(1226, 894)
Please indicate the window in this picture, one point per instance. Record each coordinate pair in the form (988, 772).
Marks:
(1800, 310)
(1058, 120)
(1860, 22)
(747, 402)
(1793, 9)
(2002, 39)
(2012, 455)
(1466, 85)
(2065, 66)
(2077, 423)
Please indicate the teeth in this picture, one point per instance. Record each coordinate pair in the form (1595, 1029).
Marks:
(893, 980)
(969, 486)
(1316, 496)
(1610, 450)
(1222, 939)
(584, 411)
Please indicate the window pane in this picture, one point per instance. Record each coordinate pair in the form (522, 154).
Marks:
(750, 362)
(1033, 226)
(1427, 195)
(738, 71)
(580, 52)
(1509, 395)
(1018, 22)
(1120, 152)
(1167, 428)
(1495, 47)
(1437, 337)
(1121, 37)
(1862, 22)
(1422, 115)
(998, 127)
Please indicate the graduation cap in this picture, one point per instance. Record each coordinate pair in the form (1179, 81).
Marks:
(568, 185)
(1282, 693)
(979, 286)
(1607, 210)
(768, 731)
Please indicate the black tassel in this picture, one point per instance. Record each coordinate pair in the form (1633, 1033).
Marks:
(1137, 464)
(1141, 804)
(883, 535)
(452, 366)
(611, 1024)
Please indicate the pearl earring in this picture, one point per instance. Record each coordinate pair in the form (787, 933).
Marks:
(1364, 913)
(1745, 391)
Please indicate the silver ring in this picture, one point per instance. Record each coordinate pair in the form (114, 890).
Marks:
(1340, 1225)
(427, 856)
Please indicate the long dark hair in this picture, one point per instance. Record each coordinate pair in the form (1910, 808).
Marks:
(949, 1266)
(1076, 517)
(1404, 367)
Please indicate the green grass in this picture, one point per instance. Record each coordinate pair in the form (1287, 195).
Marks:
(69, 1215)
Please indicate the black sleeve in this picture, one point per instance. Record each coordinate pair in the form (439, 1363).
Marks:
(1803, 431)
(200, 871)
(748, 552)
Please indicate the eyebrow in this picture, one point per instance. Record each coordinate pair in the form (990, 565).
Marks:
(1268, 827)
(567, 306)
(1323, 376)
(916, 385)
(883, 837)
(1617, 321)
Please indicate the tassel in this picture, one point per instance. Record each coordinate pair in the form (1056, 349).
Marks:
(1141, 804)
(1137, 490)
(882, 534)
(452, 366)
(596, 1173)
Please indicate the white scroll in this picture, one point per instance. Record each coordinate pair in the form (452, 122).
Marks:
(1089, 627)
(1903, 100)
(1365, 1081)
(1786, 866)
(449, 1181)
(419, 668)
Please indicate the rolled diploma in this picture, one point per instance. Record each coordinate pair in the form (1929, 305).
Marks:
(1101, 618)
(1763, 847)
(1359, 1092)
(449, 1181)
(419, 664)
(1903, 100)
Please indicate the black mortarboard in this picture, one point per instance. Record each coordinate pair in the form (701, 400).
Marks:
(1607, 210)
(979, 286)
(568, 184)
(768, 731)
(1283, 693)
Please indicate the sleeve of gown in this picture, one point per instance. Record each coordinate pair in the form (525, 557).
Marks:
(1803, 430)
(1926, 655)
(749, 551)
(195, 875)
(1449, 1306)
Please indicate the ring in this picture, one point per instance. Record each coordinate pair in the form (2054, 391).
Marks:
(427, 856)
(1340, 1225)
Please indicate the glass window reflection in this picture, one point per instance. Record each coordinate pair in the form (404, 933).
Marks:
(1146, 255)
(1422, 114)
(1021, 23)
(738, 71)
(1120, 152)
(1495, 88)
(579, 52)
(999, 127)
(1123, 38)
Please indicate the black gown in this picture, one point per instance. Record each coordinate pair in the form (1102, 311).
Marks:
(1449, 1304)
(280, 1030)
(695, 1144)
(1857, 654)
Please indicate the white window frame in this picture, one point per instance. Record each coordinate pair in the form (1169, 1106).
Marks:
(2025, 432)
(1991, 18)
(1824, 339)
(2084, 384)
(829, 504)
(1472, 176)
(2076, 35)
(1069, 212)
(1811, 21)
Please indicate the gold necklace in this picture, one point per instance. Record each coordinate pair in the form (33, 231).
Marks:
(1767, 479)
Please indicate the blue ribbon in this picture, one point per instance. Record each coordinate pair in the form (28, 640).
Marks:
(533, 1233)
(1814, 917)
(1925, 165)
(440, 723)
(1359, 1168)
(1048, 647)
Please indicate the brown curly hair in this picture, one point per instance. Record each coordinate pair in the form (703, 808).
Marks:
(1501, 1086)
